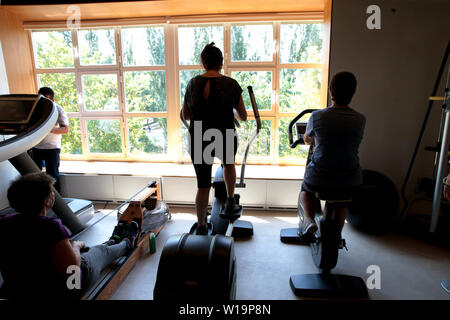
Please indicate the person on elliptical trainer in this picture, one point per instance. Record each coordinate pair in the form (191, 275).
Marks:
(336, 132)
(37, 258)
(211, 103)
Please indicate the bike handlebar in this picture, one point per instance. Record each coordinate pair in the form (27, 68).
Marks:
(295, 143)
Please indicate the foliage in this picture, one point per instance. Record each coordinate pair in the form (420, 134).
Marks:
(145, 91)
(104, 136)
(71, 142)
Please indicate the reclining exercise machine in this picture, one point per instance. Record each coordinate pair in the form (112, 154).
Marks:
(25, 119)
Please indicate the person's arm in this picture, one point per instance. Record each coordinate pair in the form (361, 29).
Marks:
(185, 111)
(240, 113)
(62, 129)
(308, 136)
(63, 122)
(65, 254)
(308, 140)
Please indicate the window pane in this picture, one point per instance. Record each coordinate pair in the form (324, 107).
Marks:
(104, 136)
(65, 88)
(301, 43)
(252, 43)
(261, 81)
(145, 91)
(261, 145)
(185, 77)
(71, 142)
(192, 40)
(100, 92)
(284, 150)
(148, 135)
(299, 89)
(97, 47)
(143, 46)
(53, 49)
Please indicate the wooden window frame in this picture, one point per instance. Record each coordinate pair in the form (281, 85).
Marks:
(172, 69)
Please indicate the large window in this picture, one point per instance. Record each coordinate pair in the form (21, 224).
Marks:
(123, 87)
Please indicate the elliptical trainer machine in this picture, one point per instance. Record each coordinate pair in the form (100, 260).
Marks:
(203, 267)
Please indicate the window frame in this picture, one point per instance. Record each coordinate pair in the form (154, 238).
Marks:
(172, 69)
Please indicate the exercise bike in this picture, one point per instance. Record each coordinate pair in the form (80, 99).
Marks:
(324, 242)
(195, 267)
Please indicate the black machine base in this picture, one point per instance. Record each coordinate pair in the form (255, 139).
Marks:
(328, 286)
(242, 229)
(291, 235)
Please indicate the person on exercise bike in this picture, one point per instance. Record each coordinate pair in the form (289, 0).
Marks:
(213, 101)
(336, 132)
(36, 256)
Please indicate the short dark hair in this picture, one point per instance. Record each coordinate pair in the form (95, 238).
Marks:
(211, 57)
(27, 194)
(46, 91)
(343, 87)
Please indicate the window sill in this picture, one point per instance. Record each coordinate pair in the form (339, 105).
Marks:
(269, 172)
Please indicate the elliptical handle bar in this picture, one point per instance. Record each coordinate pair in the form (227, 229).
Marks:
(241, 183)
(295, 143)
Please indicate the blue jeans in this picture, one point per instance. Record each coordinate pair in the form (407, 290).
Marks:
(51, 158)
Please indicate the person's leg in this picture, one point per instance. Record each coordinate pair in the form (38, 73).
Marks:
(36, 155)
(52, 165)
(201, 205)
(97, 258)
(308, 202)
(229, 175)
(339, 215)
(203, 173)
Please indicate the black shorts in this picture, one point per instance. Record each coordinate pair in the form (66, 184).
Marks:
(203, 169)
(330, 193)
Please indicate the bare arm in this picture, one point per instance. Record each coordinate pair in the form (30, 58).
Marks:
(308, 140)
(63, 129)
(240, 113)
(65, 254)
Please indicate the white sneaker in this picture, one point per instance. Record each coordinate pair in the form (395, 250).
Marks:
(310, 226)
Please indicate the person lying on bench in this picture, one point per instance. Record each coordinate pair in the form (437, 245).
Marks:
(37, 260)
(336, 132)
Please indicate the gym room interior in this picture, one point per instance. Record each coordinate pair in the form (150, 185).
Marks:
(123, 103)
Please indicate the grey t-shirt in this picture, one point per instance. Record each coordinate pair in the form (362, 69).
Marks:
(338, 133)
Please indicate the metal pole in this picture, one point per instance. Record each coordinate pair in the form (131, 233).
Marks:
(442, 167)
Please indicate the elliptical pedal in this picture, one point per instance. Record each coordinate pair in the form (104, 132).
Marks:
(231, 216)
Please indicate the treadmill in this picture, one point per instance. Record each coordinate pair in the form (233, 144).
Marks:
(25, 119)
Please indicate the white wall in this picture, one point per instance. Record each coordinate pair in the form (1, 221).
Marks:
(259, 193)
(396, 68)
